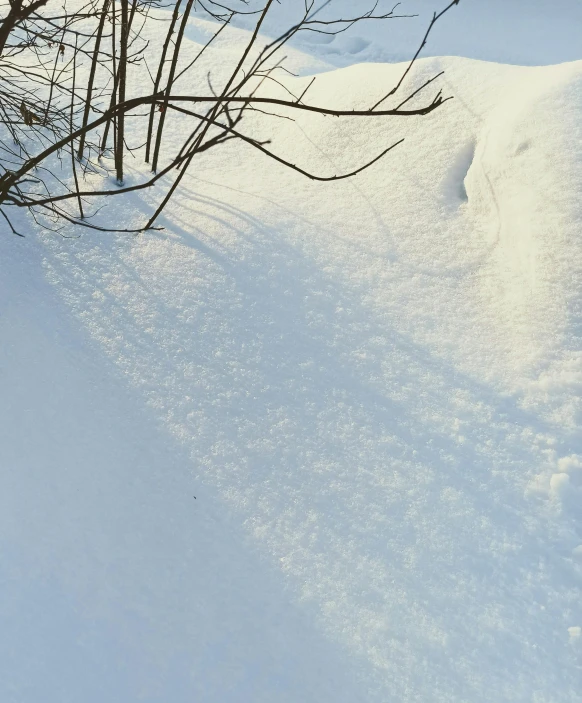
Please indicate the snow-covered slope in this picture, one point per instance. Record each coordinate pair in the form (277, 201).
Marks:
(523, 32)
(372, 387)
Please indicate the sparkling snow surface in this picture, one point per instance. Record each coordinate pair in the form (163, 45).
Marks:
(372, 387)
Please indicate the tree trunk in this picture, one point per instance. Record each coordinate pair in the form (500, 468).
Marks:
(72, 129)
(170, 82)
(123, 41)
(92, 75)
(113, 101)
(159, 78)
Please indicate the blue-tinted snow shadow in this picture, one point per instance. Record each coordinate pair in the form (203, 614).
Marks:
(282, 288)
(115, 582)
(296, 332)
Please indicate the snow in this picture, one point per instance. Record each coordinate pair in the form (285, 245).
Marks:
(532, 33)
(314, 441)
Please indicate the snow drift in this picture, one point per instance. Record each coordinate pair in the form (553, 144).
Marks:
(372, 388)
